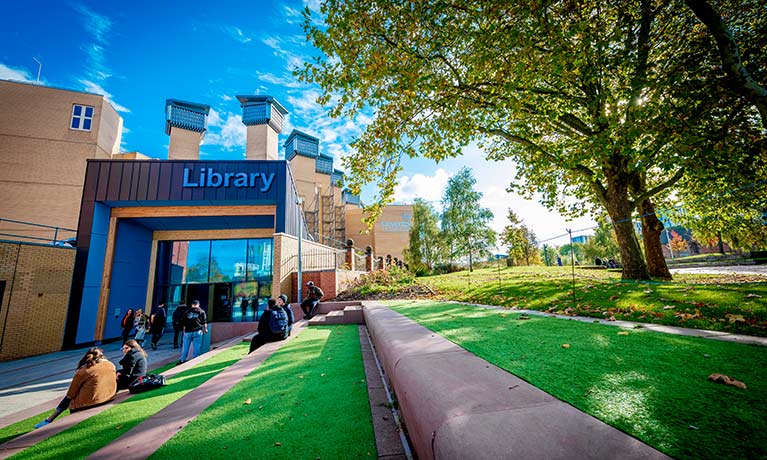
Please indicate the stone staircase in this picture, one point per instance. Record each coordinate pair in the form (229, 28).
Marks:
(338, 313)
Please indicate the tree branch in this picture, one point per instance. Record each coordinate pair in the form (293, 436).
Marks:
(660, 187)
(742, 83)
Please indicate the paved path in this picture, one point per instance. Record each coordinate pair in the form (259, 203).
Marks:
(29, 382)
(722, 270)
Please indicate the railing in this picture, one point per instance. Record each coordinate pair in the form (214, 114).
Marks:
(37, 233)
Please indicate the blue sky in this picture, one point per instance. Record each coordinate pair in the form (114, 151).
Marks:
(141, 53)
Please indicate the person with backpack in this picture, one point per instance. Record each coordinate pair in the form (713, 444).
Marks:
(157, 320)
(133, 364)
(282, 302)
(313, 296)
(178, 328)
(195, 323)
(272, 326)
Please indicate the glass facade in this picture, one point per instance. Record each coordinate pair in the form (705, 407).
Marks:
(232, 279)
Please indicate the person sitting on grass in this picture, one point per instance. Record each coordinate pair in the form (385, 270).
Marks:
(282, 302)
(272, 326)
(133, 364)
(94, 384)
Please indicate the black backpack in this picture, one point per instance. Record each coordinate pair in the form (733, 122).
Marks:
(146, 382)
(278, 322)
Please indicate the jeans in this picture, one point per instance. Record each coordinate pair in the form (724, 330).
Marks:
(191, 339)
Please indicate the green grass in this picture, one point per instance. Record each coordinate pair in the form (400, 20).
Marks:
(653, 386)
(727, 303)
(25, 426)
(310, 397)
(99, 430)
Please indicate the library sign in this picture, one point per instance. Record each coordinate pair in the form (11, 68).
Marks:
(209, 177)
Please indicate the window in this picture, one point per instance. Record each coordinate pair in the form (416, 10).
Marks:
(82, 117)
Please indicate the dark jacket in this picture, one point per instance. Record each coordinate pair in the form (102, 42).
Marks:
(159, 317)
(263, 324)
(314, 293)
(133, 364)
(178, 314)
(194, 319)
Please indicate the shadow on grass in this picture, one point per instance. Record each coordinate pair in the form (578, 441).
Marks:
(97, 431)
(650, 385)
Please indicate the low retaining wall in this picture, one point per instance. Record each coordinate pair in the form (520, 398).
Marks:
(457, 405)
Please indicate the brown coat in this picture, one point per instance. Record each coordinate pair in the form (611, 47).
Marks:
(92, 385)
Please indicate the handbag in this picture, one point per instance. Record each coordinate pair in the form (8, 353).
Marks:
(146, 382)
(140, 333)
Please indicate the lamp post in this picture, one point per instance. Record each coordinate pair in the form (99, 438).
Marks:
(299, 222)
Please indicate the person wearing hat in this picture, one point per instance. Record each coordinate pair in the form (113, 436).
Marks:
(313, 296)
(282, 302)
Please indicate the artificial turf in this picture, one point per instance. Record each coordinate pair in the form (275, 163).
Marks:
(99, 430)
(24, 426)
(308, 400)
(651, 385)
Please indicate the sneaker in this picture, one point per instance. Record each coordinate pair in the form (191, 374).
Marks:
(42, 424)
(154, 347)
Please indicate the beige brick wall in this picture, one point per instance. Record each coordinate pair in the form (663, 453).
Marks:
(261, 143)
(42, 160)
(34, 305)
(389, 235)
(184, 144)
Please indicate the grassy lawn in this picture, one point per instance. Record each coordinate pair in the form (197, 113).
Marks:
(99, 430)
(653, 386)
(729, 303)
(24, 426)
(308, 400)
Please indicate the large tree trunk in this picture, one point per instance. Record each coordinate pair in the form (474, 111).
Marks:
(651, 230)
(619, 209)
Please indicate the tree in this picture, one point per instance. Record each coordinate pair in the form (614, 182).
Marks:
(465, 223)
(521, 241)
(603, 244)
(583, 96)
(425, 244)
(549, 255)
(677, 243)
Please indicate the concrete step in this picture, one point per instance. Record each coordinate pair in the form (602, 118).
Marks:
(351, 314)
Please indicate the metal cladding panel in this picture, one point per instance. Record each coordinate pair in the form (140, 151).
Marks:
(134, 183)
(177, 182)
(103, 172)
(163, 186)
(115, 181)
(126, 181)
(75, 297)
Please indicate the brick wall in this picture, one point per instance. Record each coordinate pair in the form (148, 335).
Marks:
(34, 305)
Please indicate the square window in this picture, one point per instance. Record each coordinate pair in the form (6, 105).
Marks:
(82, 117)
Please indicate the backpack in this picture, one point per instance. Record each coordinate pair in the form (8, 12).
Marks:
(146, 382)
(278, 322)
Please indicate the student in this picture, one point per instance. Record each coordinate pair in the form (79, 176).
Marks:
(157, 320)
(282, 302)
(127, 323)
(195, 323)
(93, 384)
(178, 327)
(313, 296)
(272, 326)
(140, 322)
(133, 364)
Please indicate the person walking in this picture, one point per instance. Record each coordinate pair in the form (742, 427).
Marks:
(127, 324)
(140, 322)
(282, 302)
(313, 296)
(178, 327)
(157, 321)
(195, 323)
(93, 384)
(133, 364)
(272, 326)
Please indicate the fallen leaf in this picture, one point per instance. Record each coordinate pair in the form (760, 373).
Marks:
(753, 296)
(118, 427)
(727, 380)
(612, 318)
(247, 401)
(623, 333)
(322, 375)
(565, 345)
(668, 307)
(277, 444)
(735, 318)
(648, 291)
(300, 376)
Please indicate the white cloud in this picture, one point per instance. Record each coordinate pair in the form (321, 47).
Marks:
(286, 81)
(292, 15)
(228, 132)
(237, 34)
(98, 25)
(226, 97)
(92, 87)
(429, 188)
(306, 105)
(10, 73)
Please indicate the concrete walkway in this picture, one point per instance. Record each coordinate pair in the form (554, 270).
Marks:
(30, 382)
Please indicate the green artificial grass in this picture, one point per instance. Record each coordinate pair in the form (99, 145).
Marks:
(99, 430)
(24, 426)
(308, 400)
(728, 303)
(651, 385)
